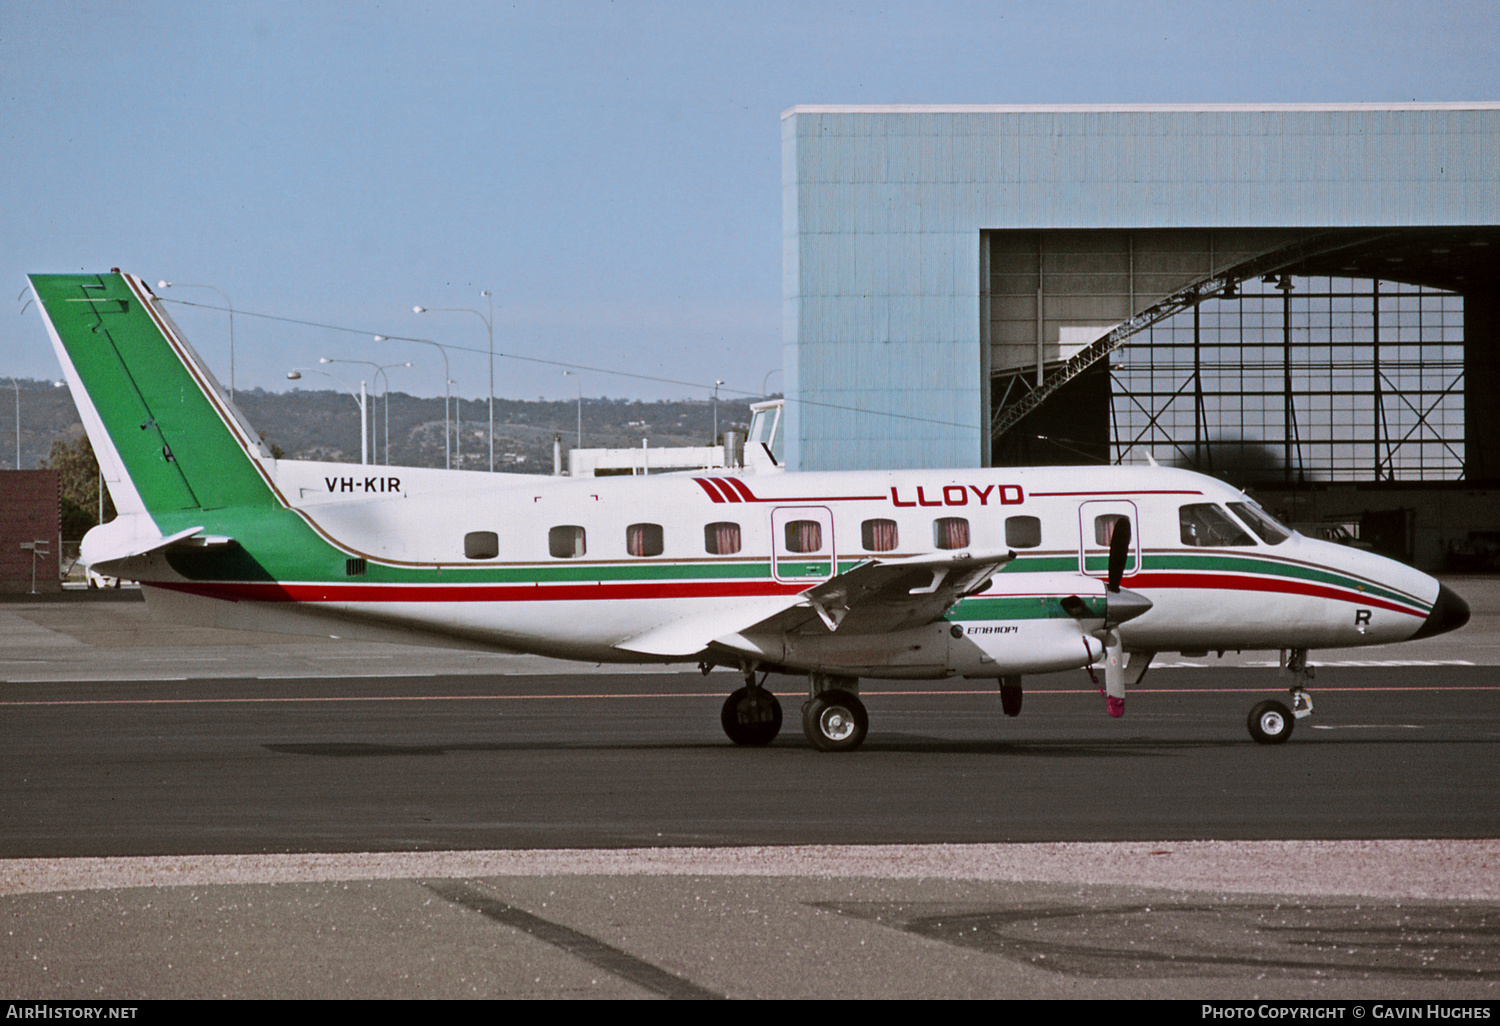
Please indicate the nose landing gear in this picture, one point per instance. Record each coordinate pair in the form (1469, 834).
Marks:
(1271, 722)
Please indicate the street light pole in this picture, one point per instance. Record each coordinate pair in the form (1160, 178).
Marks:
(385, 393)
(715, 439)
(458, 428)
(489, 327)
(188, 285)
(447, 377)
(579, 383)
(364, 421)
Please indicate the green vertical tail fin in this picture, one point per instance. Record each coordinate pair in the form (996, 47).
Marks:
(167, 438)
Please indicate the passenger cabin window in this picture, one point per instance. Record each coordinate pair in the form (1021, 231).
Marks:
(1271, 531)
(567, 541)
(721, 538)
(804, 536)
(1104, 527)
(878, 535)
(1205, 525)
(1023, 532)
(481, 545)
(643, 539)
(950, 533)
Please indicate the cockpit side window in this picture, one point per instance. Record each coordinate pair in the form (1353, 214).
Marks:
(1271, 531)
(1205, 525)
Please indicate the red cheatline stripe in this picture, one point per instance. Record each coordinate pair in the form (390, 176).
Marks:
(1282, 585)
(740, 487)
(732, 489)
(709, 487)
(316, 592)
(1147, 491)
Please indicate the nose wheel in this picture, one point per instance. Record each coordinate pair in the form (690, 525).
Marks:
(1271, 723)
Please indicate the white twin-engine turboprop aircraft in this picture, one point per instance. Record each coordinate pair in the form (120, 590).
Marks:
(990, 573)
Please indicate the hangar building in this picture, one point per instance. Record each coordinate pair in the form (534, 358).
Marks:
(1299, 297)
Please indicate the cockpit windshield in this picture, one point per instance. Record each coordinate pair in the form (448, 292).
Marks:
(1262, 523)
(1202, 524)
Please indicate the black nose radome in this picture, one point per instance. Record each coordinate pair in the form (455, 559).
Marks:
(1449, 613)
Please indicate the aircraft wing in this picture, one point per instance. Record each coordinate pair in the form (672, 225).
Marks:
(874, 597)
(883, 595)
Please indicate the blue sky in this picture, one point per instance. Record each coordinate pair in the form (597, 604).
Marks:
(610, 171)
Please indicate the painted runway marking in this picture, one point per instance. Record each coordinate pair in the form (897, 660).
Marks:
(1366, 726)
(306, 699)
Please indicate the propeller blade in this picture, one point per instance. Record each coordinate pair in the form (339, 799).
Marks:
(1114, 674)
(1119, 552)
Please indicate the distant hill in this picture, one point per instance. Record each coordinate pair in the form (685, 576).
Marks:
(324, 425)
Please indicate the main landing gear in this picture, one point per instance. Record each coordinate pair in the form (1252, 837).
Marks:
(1271, 722)
(752, 715)
(833, 718)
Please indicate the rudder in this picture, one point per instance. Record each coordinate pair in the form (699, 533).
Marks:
(167, 438)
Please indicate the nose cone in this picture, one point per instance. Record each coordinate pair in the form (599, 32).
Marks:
(1449, 613)
(1125, 604)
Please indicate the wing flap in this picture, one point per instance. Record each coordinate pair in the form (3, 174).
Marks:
(690, 635)
(882, 595)
(874, 597)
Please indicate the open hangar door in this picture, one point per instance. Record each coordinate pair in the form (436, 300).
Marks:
(1328, 371)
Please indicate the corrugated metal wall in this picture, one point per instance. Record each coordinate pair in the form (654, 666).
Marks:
(30, 512)
(883, 210)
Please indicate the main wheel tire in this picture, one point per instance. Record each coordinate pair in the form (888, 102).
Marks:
(835, 721)
(1010, 699)
(751, 717)
(1271, 723)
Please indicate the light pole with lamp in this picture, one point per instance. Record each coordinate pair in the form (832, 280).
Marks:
(448, 387)
(458, 428)
(188, 285)
(715, 439)
(364, 421)
(489, 326)
(579, 383)
(385, 393)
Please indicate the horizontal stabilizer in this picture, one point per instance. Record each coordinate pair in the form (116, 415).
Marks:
(111, 551)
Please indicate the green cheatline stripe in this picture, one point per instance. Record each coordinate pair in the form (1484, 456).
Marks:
(1222, 562)
(1218, 561)
(1031, 607)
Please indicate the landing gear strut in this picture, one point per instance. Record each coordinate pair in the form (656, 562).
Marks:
(752, 715)
(834, 719)
(1271, 722)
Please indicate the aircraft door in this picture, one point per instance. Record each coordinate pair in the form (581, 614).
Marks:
(802, 544)
(1096, 523)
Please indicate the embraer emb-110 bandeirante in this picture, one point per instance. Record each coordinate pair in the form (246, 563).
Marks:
(984, 573)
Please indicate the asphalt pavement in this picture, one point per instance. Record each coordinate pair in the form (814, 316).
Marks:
(1334, 913)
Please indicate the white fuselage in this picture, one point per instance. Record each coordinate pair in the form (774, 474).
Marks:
(669, 567)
